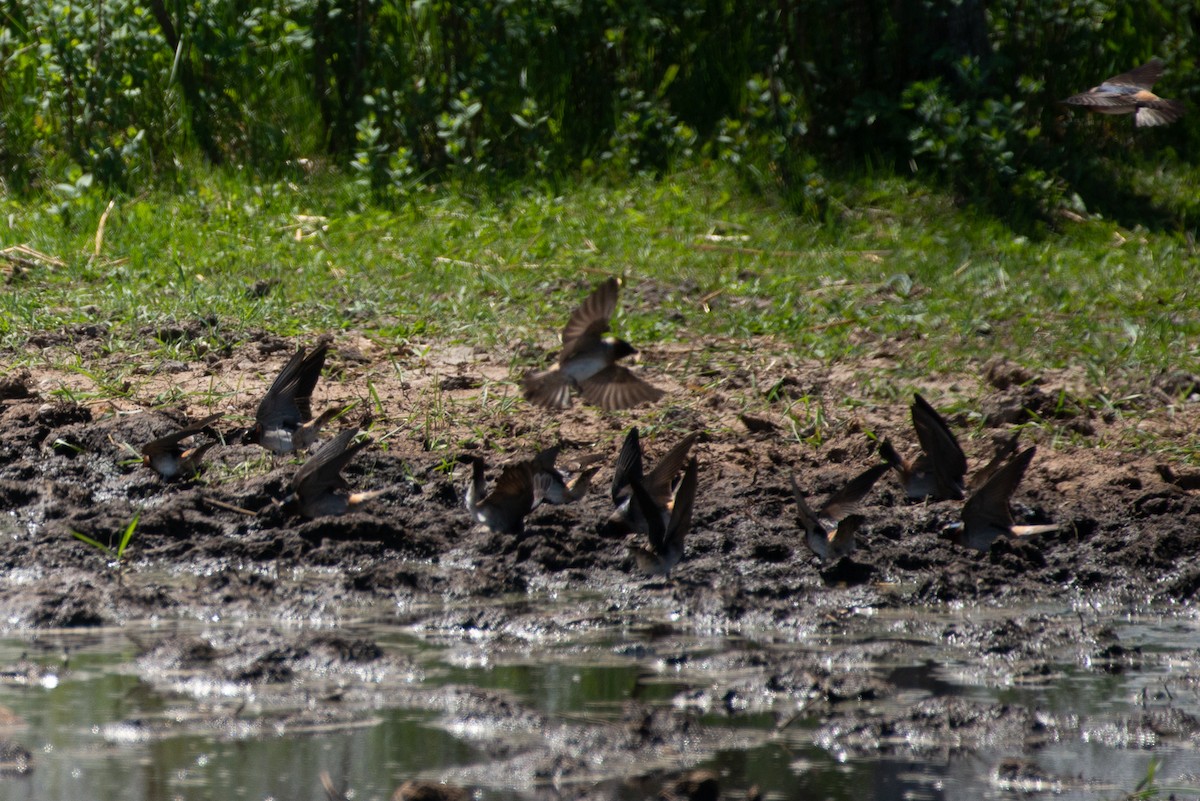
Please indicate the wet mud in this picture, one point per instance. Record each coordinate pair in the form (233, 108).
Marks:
(219, 546)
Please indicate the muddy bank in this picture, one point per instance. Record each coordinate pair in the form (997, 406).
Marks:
(218, 546)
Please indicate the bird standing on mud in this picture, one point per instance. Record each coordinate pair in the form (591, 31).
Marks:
(284, 420)
(587, 362)
(986, 516)
(941, 468)
(666, 525)
(519, 490)
(558, 489)
(657, 483)
(318, 488)
(830, 531)
(1129, 93)
(167, 455)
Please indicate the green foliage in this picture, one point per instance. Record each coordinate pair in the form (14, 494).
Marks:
(115, 555)
(402, 94)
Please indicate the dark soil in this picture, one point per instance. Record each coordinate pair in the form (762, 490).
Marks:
(220, 545)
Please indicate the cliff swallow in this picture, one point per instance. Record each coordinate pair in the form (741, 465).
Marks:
(939, 471)
(986, 516)
(657, 484)
(1129, 93)
(521, 487)
(666, 525)
(588, 361)
(284, 421)
(830, 531)
(559, 490)
(318, 488)
(167, 455)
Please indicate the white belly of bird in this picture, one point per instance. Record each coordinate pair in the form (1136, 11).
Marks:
(581, 369)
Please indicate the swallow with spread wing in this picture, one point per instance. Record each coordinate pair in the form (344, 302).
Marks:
(319, 489)
(657, 483)
(986, 515)
(587, 362)
(170, 458)
(830, 531)
(521, 487)
(1129, 93)
(284, 420)
(938, 472)
(666, 525)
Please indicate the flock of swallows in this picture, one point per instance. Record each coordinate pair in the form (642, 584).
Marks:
(656, 504)
(652, 504)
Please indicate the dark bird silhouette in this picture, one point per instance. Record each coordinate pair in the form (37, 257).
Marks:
(587, 362)
(1129, 93)
(319, 489)
(657, 483)
(521, 487)
(284, 420)
(939, 471)
(666, 526)
(986, 516)
(170, 458)
(830, 531)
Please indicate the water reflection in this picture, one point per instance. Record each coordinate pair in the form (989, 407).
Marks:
(98, 730)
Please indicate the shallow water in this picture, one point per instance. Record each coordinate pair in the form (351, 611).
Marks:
(98, 729)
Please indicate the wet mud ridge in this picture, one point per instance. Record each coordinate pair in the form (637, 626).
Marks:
(218, 546)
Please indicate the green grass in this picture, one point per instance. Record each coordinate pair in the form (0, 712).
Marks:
(896, 267)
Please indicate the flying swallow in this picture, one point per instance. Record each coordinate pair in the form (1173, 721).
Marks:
(284, 421)
(588, 361)
(559, 490)
(1129, 93)
(666, 525)
(986, 516)
(657, 483)
(521, 487)
(167, 455)
(939, 471)
(318, 488)
(830, 531)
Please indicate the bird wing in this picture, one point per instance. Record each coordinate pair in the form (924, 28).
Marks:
(940, 444)
(279, 404)
(846, 500)
(591, 318)
(658, 483)
(681, 508)
(616, 387)
(513, 493)
(306, 379)
(629, 464)
(1157, 112)
(640, 503)
(170, 442)
(808, 518)
(988, 506)
(1142, 77)
(550, 389)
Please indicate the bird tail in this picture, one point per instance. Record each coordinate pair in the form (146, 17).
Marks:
(550, 389)
(1029, 531)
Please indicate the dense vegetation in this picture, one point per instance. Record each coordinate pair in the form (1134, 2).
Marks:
(132, 94)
